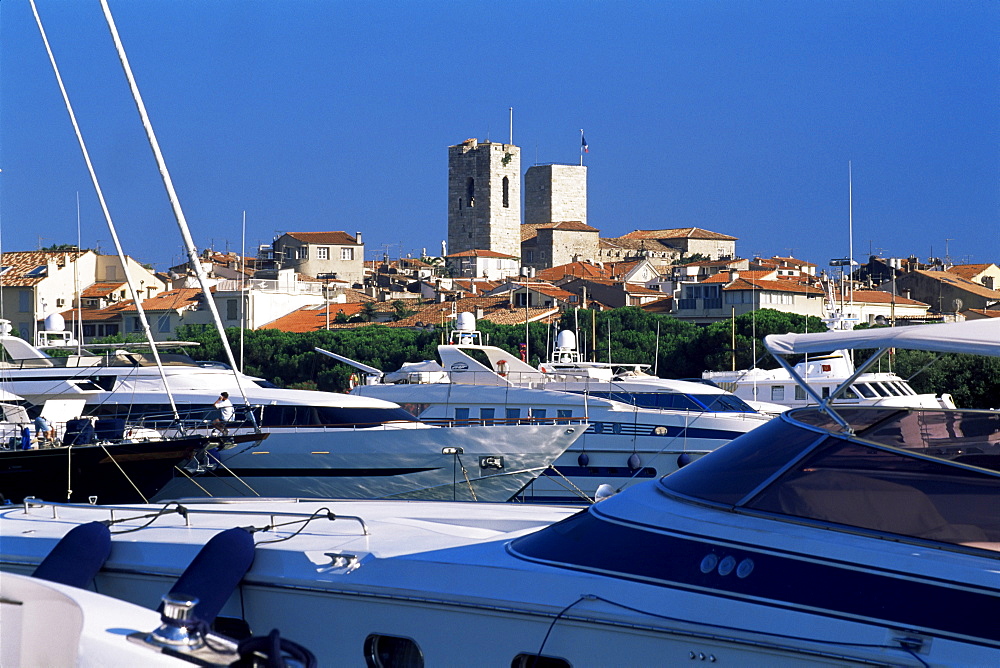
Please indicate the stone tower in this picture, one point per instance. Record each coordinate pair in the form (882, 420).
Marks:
(555, 194)
(484, 197)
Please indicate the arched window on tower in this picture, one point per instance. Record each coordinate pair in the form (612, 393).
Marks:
(506, 192)
(470, 191)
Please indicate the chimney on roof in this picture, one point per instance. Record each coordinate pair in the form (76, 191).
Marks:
(357, 237)
(733, 275)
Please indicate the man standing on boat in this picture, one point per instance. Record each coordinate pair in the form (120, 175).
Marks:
(226, 412)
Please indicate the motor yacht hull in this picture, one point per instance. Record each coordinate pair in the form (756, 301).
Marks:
(622, 445)
(484, 463)
(462, 583)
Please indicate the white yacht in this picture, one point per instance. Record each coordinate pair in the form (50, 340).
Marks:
(776, 390)
(865, 535)
(641, 426)
(320, 444)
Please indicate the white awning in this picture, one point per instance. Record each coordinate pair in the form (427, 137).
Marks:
(976, 337)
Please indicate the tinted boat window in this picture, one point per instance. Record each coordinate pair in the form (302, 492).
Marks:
(728, 474)
(845, 482)
(331, 416)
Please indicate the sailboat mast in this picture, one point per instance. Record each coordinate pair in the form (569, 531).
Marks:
(172, 195)
(107, 213)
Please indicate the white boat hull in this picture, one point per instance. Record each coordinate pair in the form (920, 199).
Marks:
(476, 463)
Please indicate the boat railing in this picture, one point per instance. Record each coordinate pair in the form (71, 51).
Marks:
(500, 421)
(193, 508)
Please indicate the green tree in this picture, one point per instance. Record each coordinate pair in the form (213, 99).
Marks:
(368, 312)
(401, 310)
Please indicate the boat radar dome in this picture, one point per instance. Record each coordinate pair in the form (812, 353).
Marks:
(565, 346)
(466, 322)
(54, 322)
(55, 334)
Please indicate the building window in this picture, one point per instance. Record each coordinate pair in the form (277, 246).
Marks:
(136, 325)
(470, 191)
(506, 192)
(163, 324)
(231, 309)
(323, 253)
(303, 252)
(88, 330)
(529, 256)
(24, 301)
(346, 253)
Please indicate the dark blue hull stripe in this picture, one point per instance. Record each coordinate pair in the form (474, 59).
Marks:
(587, 543)
(631, 429)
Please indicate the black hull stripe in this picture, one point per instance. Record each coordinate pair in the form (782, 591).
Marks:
(587, 543)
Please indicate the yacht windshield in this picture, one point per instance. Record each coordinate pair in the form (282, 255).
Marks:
(911, 488)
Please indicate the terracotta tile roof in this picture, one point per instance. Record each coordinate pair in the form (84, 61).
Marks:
(883, 297)
(678, 233)
(578, 269)
(356, 296)
(792, 261)
(664, 305)
(772, 286)
(22, 262)
(651, 245)
(712, 263)
(481, 253)
(102, 289)
(323, 237)
(723, 276)
(466, 285)
(986, 313)
(112, 312)
(569, 226)
(530, 230)
(959, 282)
(313, 318)
(168, 301)
(969, 271)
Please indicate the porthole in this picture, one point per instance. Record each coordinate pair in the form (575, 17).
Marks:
(538, 661)
(392, 652)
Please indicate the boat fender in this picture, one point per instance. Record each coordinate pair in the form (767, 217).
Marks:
(216, 571)
(583, 459)
(78, 556)
(273, 650)
(634, 462)
(684, 459)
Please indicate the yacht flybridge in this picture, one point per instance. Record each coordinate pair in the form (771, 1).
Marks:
(828, 536)
(641, 426)
(777, 388)
(320, 444)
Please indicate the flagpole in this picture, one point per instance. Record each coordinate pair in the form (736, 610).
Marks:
(582, 142)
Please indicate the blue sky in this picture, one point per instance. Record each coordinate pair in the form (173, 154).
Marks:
(737, 117)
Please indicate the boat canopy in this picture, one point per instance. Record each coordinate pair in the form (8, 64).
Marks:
(977, 337)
